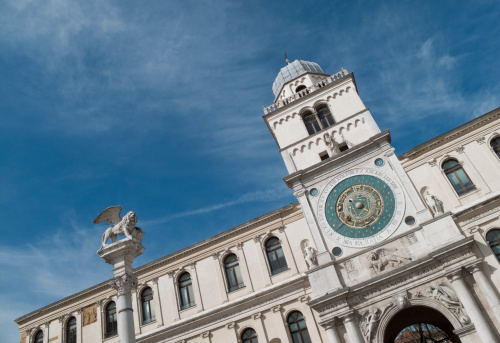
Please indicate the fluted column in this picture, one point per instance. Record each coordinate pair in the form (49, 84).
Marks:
(331, 333)
(352, 328)
(486, 288)
(483, 329)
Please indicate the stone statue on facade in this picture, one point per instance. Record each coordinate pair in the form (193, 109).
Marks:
(380, 258)
(434, 203)
(331, 144)
(370, 320)
(310, 257)
(121, 226)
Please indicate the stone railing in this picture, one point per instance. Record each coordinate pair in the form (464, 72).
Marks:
(306, 91)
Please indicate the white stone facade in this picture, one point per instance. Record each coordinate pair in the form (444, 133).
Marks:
(438, 266)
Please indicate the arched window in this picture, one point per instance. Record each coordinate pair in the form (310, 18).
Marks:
(300, 88)
(311, 123)
(148, 310)
(275, 256)
(71, 330)
(298, 328)
(111, 320)
(39, 337)
(325, 116)
(457, 176)
(495, 145)
(186, 291)
(249, 336)
(233, 273)
(493, 238)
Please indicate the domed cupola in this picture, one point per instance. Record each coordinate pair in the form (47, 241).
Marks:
(292, 71)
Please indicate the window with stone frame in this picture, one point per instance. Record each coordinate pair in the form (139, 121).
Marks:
(186, 293)
(311, 122)
(298, 328)
(148, 311)
(495, 145)
(493, 238)
(249, 336)
(458, 177)
(38, 337)
(233, 273)
(71, 330)
(325, 116)
(275, 256)
(111, 320)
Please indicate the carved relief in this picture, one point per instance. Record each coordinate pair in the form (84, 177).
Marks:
(382, 258)
(351, 270)
(411, 238)
(370, 321)
(447, 297)
(90, 315)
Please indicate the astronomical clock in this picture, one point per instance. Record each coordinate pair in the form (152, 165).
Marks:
(360, 208)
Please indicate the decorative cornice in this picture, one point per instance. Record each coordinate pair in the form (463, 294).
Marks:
(452, 134)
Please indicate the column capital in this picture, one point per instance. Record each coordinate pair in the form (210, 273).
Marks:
(330, 324)
(348, 317)
(124, 284)
(475, 266)
(454, 275)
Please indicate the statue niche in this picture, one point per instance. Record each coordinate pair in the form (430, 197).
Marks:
(121, 226)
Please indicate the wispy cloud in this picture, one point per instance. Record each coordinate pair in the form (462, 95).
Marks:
(271, 194)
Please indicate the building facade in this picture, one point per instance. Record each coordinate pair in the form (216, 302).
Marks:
(377, 246)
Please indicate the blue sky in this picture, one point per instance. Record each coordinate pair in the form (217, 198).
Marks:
(157, 105)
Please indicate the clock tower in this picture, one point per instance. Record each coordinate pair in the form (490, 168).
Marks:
(353, 191)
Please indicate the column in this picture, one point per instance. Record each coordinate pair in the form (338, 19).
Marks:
(121, 255)
(483, 329)
(323, 254)
(352, 328)
(244, 266)
(174, 297)
(79, 325)
(331, 332)
(195, 280)
(262, 261)
(486, 288)
(157, 302)
(220, 278)
(288, 249)
(124, 285)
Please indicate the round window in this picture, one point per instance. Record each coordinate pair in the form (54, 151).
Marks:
(337, 251)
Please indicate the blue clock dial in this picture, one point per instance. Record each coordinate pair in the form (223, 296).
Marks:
(360, 206)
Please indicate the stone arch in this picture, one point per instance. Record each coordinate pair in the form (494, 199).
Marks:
(420, 310)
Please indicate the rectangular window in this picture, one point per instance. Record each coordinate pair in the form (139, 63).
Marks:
(343, 147)
(323, 155)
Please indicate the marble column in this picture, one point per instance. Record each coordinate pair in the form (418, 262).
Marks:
(482, 327)
(352, 328)
(486, 288)
(331, 333)
(121, 254)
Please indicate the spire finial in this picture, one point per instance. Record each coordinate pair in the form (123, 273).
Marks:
(286, 58)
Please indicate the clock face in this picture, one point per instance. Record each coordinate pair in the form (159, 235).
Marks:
(360, 208)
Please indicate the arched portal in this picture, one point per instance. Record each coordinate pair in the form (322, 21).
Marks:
(416, 315)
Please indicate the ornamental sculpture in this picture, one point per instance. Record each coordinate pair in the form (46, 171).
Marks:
(121, 226)
(310, 257)
(370, 320)
(434, 203)
(444, 294)
(331, 144)
(380, 258)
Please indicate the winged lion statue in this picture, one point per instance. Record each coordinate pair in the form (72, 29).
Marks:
(121, 226)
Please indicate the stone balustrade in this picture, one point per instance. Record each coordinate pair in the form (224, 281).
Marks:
(305, 92)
